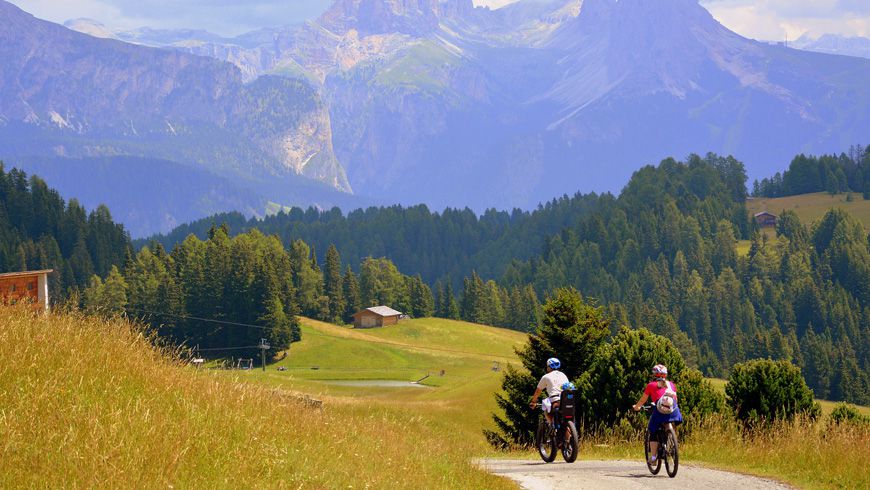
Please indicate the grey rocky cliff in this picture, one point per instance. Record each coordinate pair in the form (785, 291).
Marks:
(66, 93)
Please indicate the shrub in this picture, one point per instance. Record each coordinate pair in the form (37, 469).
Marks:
(620, 372)
(697, 396)
(844, 413)
(765, 391)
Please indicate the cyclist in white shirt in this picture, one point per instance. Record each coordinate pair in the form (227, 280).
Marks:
(551, 382)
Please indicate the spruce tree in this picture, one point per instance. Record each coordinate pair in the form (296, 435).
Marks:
(571, 330)
(351, 291)
(333, 286)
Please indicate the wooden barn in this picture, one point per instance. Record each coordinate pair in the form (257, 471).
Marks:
(376, 316)
(25, 286)
(765, 219)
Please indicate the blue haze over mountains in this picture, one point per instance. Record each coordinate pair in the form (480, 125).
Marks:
(430, 101)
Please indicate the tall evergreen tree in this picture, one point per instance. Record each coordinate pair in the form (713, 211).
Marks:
(351, 294)
(333, 285)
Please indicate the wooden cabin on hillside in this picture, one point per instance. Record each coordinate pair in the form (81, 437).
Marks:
(25, 286)
(765, 219)
(376, 316)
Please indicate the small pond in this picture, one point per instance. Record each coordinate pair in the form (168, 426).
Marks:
(382, 383)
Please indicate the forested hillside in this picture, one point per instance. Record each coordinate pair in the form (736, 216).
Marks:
(829, 173)
(435, 245)
(218, 293)
(661, 255)
(39, 230)
(223, 294)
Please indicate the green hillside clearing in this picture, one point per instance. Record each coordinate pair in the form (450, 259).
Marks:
(87, 401)
(811, 207)
(462, 396)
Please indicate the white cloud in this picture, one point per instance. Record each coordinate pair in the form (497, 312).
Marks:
(778, 19)
(760, 19)
(493, 4)
(227, 17)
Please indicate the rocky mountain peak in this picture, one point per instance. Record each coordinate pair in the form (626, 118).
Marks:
(413, 17)
(90, 27)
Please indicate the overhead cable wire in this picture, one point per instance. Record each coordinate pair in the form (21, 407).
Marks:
(322, 334)
(225, 348)
(210, 320)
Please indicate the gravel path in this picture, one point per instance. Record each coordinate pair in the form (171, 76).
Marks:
(537, 475)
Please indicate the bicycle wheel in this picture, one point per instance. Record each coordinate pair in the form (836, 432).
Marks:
(545, 442)
(654, 468)
(671, 452)
(571, 443)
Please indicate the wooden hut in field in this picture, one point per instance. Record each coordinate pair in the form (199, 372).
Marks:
(376, 316)
(29, 286)
(765, 219)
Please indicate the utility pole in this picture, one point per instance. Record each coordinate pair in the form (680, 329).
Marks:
(263, 348)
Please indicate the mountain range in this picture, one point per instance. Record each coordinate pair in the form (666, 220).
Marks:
(431, 101)
(835, 44)
(66, 94)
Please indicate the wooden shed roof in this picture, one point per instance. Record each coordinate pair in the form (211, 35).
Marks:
(381, 311)
(8, 275)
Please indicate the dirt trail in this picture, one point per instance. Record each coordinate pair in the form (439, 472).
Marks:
(537, 475)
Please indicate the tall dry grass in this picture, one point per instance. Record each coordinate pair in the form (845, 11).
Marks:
(86, 402)
(810, 454)
(805, 453)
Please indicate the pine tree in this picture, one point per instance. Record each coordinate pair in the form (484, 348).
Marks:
(440, 300)
(572, 331)
(452, 311)
(422, 302)
(351, 294)
(333, 285)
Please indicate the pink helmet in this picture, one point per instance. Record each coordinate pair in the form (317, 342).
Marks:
(660, 371)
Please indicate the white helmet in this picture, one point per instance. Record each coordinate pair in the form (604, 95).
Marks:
(660, 371)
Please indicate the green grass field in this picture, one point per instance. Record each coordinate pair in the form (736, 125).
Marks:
(461, 402)
(811, 207)
(462, 397)
(90, 403)
(108, 407)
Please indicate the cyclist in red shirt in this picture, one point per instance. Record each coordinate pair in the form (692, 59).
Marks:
(664, 394)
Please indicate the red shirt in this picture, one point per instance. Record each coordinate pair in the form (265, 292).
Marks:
(655, 392)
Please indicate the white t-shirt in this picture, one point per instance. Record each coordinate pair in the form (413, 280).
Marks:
(552, 382)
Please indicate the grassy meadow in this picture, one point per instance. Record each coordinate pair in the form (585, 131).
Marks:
(459, 401)
(109, 409)
(811, 207)
(90, 403)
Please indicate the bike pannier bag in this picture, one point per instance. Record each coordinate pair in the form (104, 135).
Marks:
(568, 399)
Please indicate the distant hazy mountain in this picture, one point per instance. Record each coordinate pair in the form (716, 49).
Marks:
(90, 27)
(147, 195)
(67, 94)
(834, 44)
(439, 102)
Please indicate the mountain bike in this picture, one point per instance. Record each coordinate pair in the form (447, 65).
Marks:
(668, 449)
(561, 435)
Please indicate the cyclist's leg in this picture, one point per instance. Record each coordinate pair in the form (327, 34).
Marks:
(653, 438)
(546, 406)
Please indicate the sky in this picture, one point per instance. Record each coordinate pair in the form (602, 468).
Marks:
(759, 19)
